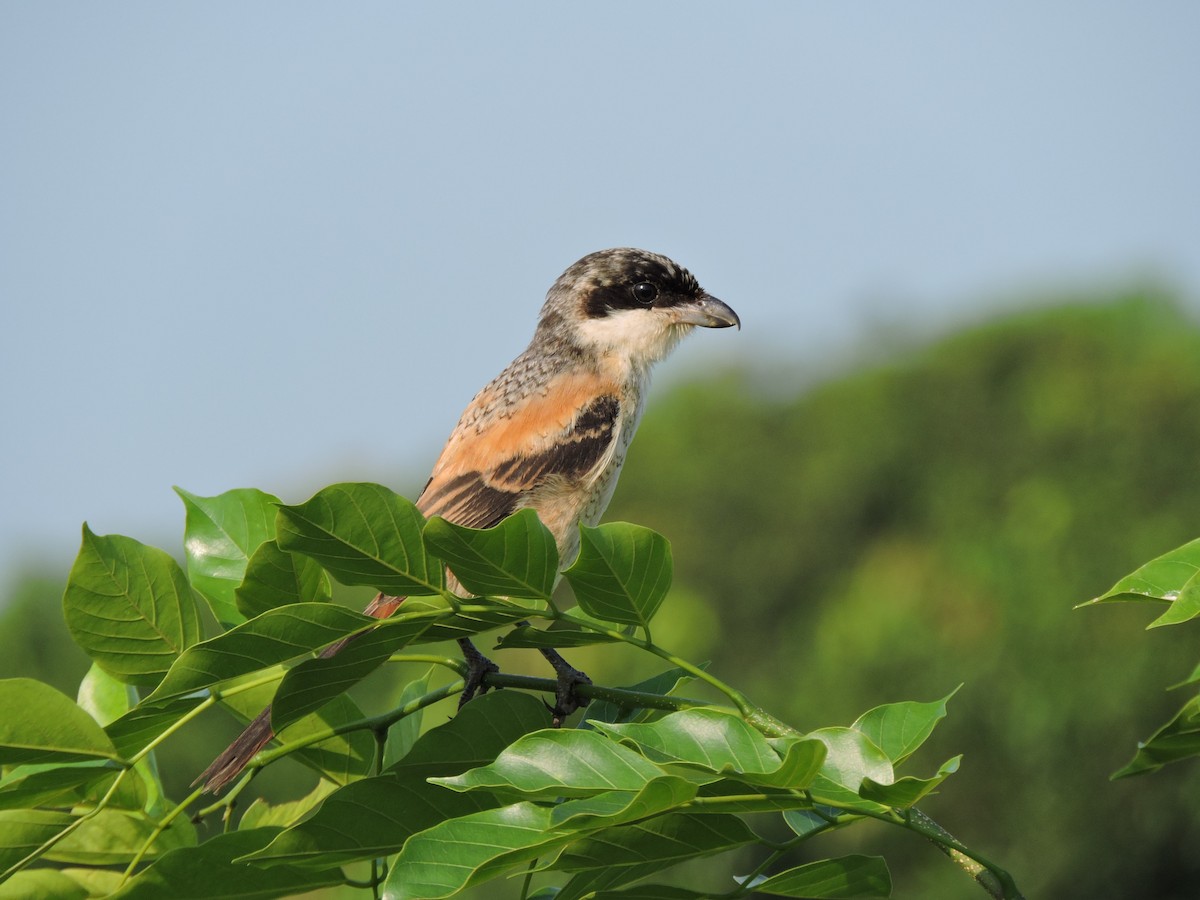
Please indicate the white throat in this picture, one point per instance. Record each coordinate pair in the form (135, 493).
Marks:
(633, 339)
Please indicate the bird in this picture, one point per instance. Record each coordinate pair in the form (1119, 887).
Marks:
(551, 431)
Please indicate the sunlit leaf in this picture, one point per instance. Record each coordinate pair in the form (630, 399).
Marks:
(617, 807)
(559, 762)
(470, 849)
(220, 535)
(907, 791)
(1160, 579)
(1184, 607)
(723, 743)
(622, 573)
(900, 728)
(363, 534)
(517, 558)
(851, 756)
(129, 607)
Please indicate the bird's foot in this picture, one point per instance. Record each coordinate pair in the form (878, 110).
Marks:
(478, 668)
(566, 701)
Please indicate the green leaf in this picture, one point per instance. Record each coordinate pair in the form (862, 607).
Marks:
(557, 762)
(262, 814)
(404, 733)
(475, 736)
(617, 856)
(363, 534)
(274, 637)
(366, 819)
(22, 831)
(454, 854)
(314, 682)
(732, 792)
(112, 837)
(1184, 607)
(105, 699)
(375, 816)
(618, 807)
(907, 791)
(38, 725)
(451, 627)
(1177, 739)
(806, 822)
(209, 870)
(339, 758)
(622, 574)
(526, 636)
(605, 884)
(646, 892)
(665, 840)
(220, 535)
(900, 728)
(133, 731)
(1160, 579)
(802, 760)
(276, 578)
(342, 758)
(851, 756)
(129, 607)
(721, 742)
(847, 876)
(517, 558)
(27, 787)
(43, 883)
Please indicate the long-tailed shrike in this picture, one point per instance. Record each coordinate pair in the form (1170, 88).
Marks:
(551, 431)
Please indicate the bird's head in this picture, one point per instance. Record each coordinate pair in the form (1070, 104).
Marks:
(630, 304)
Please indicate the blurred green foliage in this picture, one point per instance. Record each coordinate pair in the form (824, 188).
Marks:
(930, 519)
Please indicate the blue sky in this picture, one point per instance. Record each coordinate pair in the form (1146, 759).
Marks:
(282, 244)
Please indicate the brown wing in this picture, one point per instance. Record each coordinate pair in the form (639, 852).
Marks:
(487, 470)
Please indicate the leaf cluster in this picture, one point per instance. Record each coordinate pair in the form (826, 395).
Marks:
(650, 780)
(1172, 579)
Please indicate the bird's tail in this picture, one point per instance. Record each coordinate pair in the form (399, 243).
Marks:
(226, 767)
(237, 755)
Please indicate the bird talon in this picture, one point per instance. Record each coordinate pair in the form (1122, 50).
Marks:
(479, 667)
(566, 701)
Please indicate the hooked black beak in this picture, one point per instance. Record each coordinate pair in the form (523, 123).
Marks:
(707, 312)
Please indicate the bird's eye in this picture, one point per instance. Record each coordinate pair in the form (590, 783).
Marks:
(645, 292)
